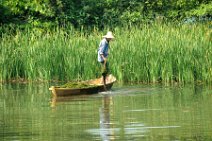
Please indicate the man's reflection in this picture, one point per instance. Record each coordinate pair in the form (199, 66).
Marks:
(106, 131)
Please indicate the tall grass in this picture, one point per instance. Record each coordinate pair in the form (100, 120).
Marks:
(150, 53)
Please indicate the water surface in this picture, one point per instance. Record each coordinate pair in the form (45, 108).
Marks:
(141, 112)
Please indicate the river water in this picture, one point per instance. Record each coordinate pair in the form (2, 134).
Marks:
(129, 112)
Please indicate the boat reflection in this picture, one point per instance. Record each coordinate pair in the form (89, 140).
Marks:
(58, 99)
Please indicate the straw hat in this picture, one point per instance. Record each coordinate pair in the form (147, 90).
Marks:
(109, 35)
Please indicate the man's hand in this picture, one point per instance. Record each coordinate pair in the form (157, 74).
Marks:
(105, 61)
(104, 58)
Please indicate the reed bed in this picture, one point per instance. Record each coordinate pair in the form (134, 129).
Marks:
(149, 53)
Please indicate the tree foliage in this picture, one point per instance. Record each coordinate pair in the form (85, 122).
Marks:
(99, 12)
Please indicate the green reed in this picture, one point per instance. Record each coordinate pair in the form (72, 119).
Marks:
(149, 53)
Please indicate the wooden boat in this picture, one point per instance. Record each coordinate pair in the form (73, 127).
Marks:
(96, 85)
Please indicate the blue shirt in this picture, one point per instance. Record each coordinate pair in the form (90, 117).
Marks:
(103, 50)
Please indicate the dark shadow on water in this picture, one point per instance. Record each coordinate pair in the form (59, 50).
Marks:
(17, 135)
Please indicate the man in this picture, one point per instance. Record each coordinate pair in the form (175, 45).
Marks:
(103, 54)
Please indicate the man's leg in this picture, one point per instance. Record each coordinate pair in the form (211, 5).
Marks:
(105, 70)
(104, 81)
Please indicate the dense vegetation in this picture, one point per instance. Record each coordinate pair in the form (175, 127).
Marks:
(149, 53)
(58, 39)
(99, 13)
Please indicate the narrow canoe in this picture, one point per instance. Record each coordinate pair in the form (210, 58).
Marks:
(98, 86)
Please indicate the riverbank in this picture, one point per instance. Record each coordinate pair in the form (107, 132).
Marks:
(164, 53)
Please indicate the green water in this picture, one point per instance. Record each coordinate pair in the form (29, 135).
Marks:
(135, 113)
